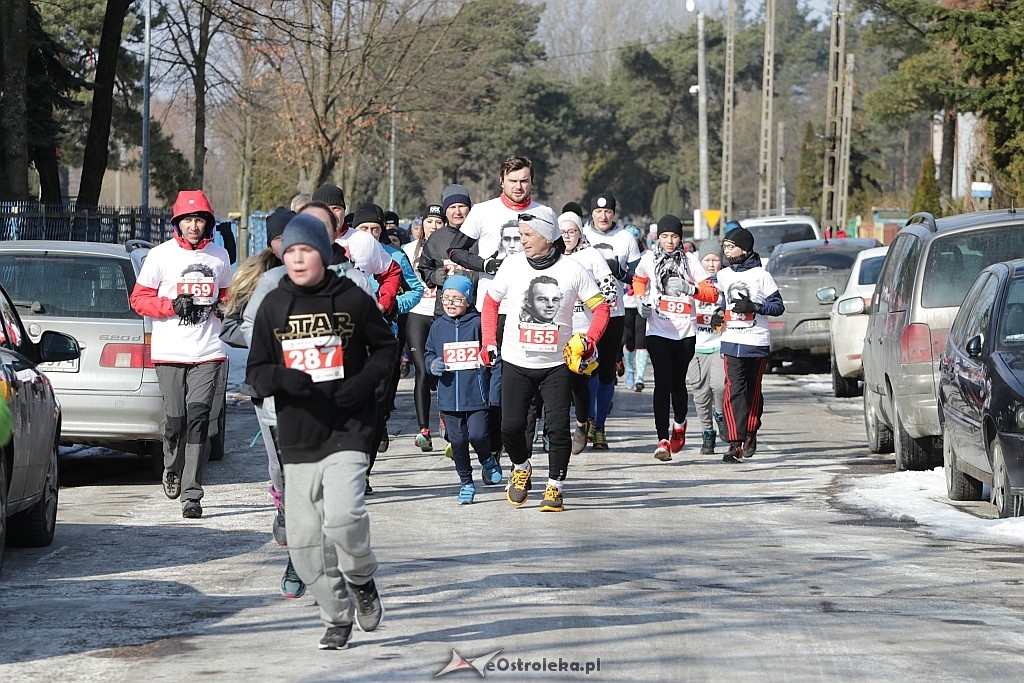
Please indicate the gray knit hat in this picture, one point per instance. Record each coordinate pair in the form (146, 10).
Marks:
(307, 229)
(455, 194)
(710, 246)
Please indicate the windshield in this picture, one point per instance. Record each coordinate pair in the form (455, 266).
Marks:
(1011, 319)
(766, 237)
(77, 286)
(813, 261)
(955, 260)
(869, 270)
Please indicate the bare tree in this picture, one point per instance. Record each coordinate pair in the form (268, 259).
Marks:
(13, 124)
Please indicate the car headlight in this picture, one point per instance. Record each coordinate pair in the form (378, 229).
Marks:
(1020, 417)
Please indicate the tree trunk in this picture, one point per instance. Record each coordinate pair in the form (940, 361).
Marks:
(94, 163)
(199, 84)
(45, 159)
(948, 145)
(13, 108)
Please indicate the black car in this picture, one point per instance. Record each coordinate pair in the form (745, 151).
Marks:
(981, 391)
(28, 462)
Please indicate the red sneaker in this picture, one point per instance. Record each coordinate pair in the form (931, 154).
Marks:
(663, 451)
(678, 439)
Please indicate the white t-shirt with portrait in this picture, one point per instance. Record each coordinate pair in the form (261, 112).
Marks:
(495, 227)
(748, 329)
(619, 244)
(591, 259)
(674, 315)
(540, 305)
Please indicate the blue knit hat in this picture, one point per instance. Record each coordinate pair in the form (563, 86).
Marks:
(461, 284)
(307, 229)
(455, 194)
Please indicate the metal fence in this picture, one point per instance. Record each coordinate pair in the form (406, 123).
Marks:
(114, 225)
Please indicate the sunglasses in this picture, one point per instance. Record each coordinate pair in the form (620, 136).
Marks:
(527, 217)
(449, 301)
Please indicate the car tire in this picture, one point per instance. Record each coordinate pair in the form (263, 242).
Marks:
(908, 452)
(34, 528)
(155, 451)
(3, 510)
(217, 440)
(959, 486)
(843, 387)
(1007, 504)
(879, 436)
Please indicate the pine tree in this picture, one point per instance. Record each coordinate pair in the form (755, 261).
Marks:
(808, 176)
(926, 196)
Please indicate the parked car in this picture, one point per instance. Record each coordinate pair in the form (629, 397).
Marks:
(849, 321)
(111, 396)
(930, 266)
(770, 231)
(29, 476)
(981, 392)
(800, 269)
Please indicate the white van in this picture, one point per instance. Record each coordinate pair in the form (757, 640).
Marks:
(769, 231)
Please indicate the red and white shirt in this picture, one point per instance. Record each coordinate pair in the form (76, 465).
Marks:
(674, 317)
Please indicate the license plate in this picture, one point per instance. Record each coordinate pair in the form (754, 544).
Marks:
(60, 366)
(816, 325)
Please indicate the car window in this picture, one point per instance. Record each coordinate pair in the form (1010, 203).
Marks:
(72, 285)
(869, 270)
(766, 237)
(903, 290)
(1011, 327)
(980, 315)
(811, 261)
(12, 336)
(957, 332)
(955, 260)
(888, 279)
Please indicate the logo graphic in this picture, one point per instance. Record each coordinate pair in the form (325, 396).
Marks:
(458, 662)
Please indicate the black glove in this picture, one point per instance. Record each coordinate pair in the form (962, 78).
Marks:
(352, 393)
(218, 309)
(615, 267)
(718, 319)
(743, 304)
(491, 265)
(295, 382)
(183, 306)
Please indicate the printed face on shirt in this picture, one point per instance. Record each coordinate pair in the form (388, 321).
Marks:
(192, 228)
(669, 241)
(518, 185)
(304, 264)
(543, 299)
(511, 243)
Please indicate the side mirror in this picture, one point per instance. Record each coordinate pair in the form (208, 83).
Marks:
(826, 295)
(55, 347)
(974, 346)
(851, 306)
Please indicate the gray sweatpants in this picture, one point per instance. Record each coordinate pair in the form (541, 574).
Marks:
(329, 529)
(705, 380)
(266, 415)
(188, 392)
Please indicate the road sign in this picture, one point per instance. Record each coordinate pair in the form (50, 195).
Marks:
(712, 216)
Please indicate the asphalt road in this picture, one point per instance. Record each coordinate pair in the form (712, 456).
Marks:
(688, 570)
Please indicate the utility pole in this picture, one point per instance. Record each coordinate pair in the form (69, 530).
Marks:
(145, 108)
(391, 180)
(845, 144)
(730, 80)
(702, 125)
(833, 114)
(782, 167)
(764, 171)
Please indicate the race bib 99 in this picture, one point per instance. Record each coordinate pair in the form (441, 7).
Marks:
(319, 357)
(674, 306)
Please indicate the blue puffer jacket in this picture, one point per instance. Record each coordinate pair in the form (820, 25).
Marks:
(459, 390)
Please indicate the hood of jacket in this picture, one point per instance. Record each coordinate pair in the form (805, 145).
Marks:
(753, 260)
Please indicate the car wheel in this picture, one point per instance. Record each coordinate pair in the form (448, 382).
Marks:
(155, 451)
(959, 486)
(3, 510)
(217, 440)
(879, 436)
(908, 452)
(843, 387)
(34, 527)
(1007, 504)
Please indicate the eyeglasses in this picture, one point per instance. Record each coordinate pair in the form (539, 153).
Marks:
(527, 217)
(729, 245)
(449, 301)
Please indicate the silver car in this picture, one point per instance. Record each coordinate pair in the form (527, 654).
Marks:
(110, 395)
(930, 266)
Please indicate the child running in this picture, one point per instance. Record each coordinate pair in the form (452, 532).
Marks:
(453, 354)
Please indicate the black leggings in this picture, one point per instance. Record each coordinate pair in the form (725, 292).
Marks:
(609, 347)
(671, 359)
(634, 336)
(518, 388)
(416, 330)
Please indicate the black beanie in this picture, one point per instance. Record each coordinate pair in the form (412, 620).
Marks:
(574, 207)
(368, 213)
(391, 217)
(331, 195)
(276, 222)
(435, 211)
(602, 200)
(742, 238)
(670, 223)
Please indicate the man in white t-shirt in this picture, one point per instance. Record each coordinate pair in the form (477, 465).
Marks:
(620, 250)
(181, 287)
(541, 287)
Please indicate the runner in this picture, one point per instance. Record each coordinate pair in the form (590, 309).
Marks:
(705, 378)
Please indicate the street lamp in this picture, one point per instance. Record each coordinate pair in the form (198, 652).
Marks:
(702, 123)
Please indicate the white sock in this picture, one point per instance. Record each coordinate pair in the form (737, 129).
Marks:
(557, 484)
(679, 425)
(523, 466)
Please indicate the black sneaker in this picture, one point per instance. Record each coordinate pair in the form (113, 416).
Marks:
(191, 509)
(369, 489)
(707, 446)
(336, 638)
(385, 441)
(369, 610)
(172, 484)
(750, 446)
(734, 454)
